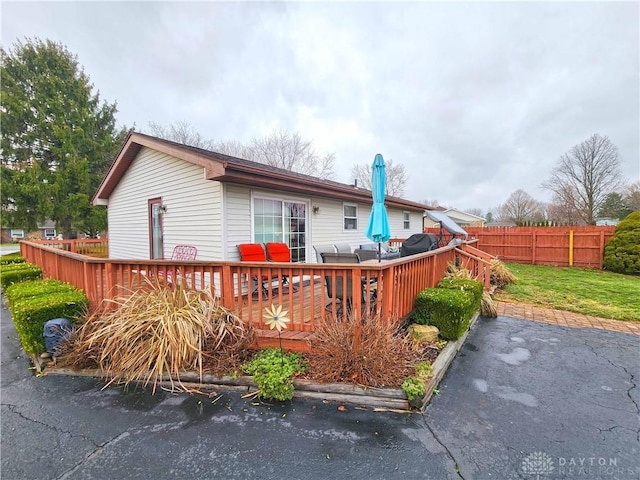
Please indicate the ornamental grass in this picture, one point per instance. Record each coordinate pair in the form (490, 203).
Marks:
(156, 333)
(365, 352)
(500, 274)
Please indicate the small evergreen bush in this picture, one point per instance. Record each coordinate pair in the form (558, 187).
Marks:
(18, 272)
(34, 288)
(448, 309)
(622, 252)
(31, 313)
(473, 286)
(10, 258)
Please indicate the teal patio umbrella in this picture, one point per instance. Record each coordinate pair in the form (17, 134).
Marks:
(378, 228)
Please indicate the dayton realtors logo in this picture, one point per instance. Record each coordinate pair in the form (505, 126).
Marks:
(538, 463)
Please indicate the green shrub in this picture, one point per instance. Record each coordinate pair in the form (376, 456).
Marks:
(34, 288)
(273, 372)
(448, 309)
(30, 315)
(18, 272)
(414, 388)
(622, 252)
(473, 286)
(9, 258)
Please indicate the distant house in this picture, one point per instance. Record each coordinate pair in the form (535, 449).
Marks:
(160, 194)
(463, 219)
(607, 221)
(45, 231)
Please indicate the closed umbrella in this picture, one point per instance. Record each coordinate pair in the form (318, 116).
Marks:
(378, 228)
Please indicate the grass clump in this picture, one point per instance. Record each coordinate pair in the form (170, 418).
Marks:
(155, 332)
(366, 352)
(273, 372)
(500, 274)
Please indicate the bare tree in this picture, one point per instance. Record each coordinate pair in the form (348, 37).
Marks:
(585, 175)
(395, 174)
(631, 196)
(180, 132)
(474, 211)
(290, 152)
(281, 149)
(431, 203)
(233, 148)
(521, 207)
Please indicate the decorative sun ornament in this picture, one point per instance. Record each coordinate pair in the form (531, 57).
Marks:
(276, 318)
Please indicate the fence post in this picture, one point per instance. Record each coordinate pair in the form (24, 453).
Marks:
(601, 257)
(571, 248)
(227, 287)
(534, 239)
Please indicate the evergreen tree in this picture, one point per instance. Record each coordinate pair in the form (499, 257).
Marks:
(58, 139)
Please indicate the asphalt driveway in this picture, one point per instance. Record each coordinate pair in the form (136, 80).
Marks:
(521, 400)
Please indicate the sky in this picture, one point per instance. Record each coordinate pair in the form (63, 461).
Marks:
(476, 100)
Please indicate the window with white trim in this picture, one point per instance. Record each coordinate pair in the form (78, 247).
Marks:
(49, 233)
(17, 233)
(350, 216)
(406, 217)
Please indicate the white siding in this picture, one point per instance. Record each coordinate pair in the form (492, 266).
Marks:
(193, 208)
(237, 213)
(327, 224)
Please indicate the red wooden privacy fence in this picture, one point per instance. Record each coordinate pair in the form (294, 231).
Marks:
(580, 246)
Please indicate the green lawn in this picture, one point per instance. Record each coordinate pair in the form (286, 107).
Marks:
(590, 292)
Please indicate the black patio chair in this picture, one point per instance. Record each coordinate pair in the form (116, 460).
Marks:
(342, 298)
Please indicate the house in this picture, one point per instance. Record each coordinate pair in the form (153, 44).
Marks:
(160, 193)
(46, 231)
(463, 219)
(607, 221)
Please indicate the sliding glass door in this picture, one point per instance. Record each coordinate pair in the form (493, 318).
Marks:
(281, 221)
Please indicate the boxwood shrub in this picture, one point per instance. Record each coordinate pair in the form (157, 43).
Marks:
(18, 272)
(622, 252)
(448, 309)
(30, 314)
(9, 258)
(472, 286)
(34, 288)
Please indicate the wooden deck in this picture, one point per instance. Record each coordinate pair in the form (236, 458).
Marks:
(304, 297)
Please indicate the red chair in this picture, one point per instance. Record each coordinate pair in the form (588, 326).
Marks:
(279, 252)
(253, 252)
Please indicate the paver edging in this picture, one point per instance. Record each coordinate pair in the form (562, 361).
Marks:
(369, 397)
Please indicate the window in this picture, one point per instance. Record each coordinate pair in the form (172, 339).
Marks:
(281, 221)
(406, 218)
(49, 233)
(350, 214)
(17, 233)
(156, 235)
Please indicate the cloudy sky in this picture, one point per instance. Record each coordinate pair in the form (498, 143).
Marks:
(475, 99)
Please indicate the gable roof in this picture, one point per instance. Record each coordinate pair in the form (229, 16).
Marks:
(454, 212)
(225, 168)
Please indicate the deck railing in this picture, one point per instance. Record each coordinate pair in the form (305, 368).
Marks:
(238, 285)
